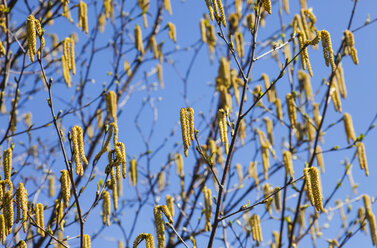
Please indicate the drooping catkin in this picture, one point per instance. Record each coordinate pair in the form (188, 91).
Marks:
(160, 75)
(167, 6)
(279, 110)
(210, 9)
(3, 231)
(371, 218)
(187, 127)
(286, 6)
(172, 32)
(341, 85)
(39, 219)
(319, 158)
(304, 80)
(256, 228)
(83, 16)
(170, 204)
(271, 93)
(362, 157)
(348, 126)
(287, 158)
(350, 46)
(252, 172)
(109, 9)
(133, 172)
(7, 163)
(106, 208)
(269, 129)
(159, 225)
(191, 125)
(87, 241)
(114, 188)
(328, 52)
(65, 185)
(222, 12)
(51, 185)
(277, 199)
(179, 163)
(223, 127)
(139, 39)
(78, 149)
(239, 44)
(207, 208)
(315, 184)
(335, 97)
(127, 68)
(123, 158)
(291, 109)
(22, 204)
(22, 244)
(31, 37)
(148, 240)
(267, 5)
(59, 212)
(111, 105)
(240, 174)
(161, 181)
(267, 190)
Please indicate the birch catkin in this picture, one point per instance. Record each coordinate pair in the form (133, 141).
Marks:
(314, 185)
(327, 49)
(39, 219)
(371, 219)
(139, 39)
(291, 109)
(7, 163)
(83, 16)
(256, 228)
(223, 127)
(287, 158)
(362, 157)
(207, 208)
(31, 37)
(106, 208)
(187, 127)
(148, 240)
(348, 126)
(65, 185)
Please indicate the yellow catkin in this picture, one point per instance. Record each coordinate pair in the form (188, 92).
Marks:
(339, 76)
(159, 225)
(371, 218)
(271, 93)
(343, 217)
(286, 6)
(111, 105)
(22, 204)
(7, 163)
(167, 6)
(160, 75)
(39, 219)
(291, 109)
(308, 187)
(256, 228)
(170, 204)
(350, 46)
(2, 49)
(287, 158)
(102, 22)
(191, 124)
(242, 132)
(65, 185)
(277, 198)
(51, 185)
(139, 39)
(304, 80)
(203, 31)
(3, 232)
(87, 241)
(83, 16)
(348, 126)
(78, 149)
(59, 212)
(8, 205)
(106, 208)
(161, 181)
(207, 208)
(239, 173)
(148, 240)
(127, 68)
(22, 244)
(31, 37)
(265, 161)
(310, 129)
(66, 74)
(179, 163)
(252, 173)
(317, 115)
(114, 188)
(316, 188)
(172, 32)
(319, 158)
(279, 110)
(109, 9)
(269, 129)
(335, 97)
(327, 49)
(222, 13)
(239, 44)
(362, 157)
(133, 172)
(210, 9)
(223, 127)
(185, 129)
(267, 190)
(267, 6)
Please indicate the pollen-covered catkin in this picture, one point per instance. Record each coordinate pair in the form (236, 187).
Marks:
(190, 112)
(335, 97)
(160, 227)
(362, 157)
(279, 110)
(139, 39)
(170, 204)
(21, 200)
(160, 75)
(291, 109)
(239, 44)
(106, 208)
(78, 149)
(7, 163)
(371, 218)
(207, 208)
(348, 126)
(269, 128)
(271, 93)
(315, 184)
(223, 127)
(87, 241)
(328, 52)
(31, 36)
(65, 185)
(133, 172)
(83, 16)
(172, 32)
(222, 12)
(287, 158)
(187, 127)
(319, 158)
(3, 232)
(39, 219)
(148, 240)
(210, 9)
(256, 228)
(111, 105)
(179, 163)
(252, 172)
